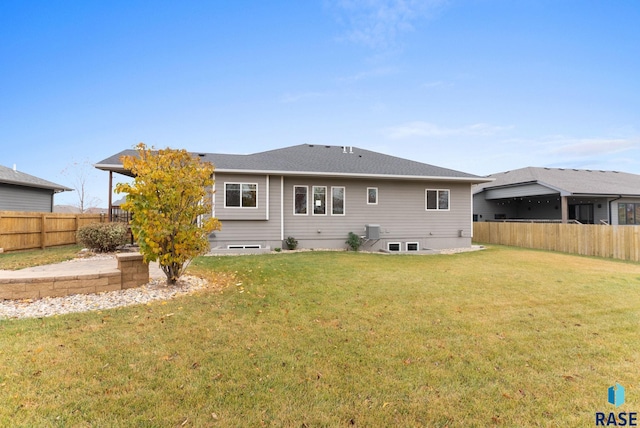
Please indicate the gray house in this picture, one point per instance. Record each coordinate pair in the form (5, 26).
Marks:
(318, 194)
(24, 192)
(559, 194)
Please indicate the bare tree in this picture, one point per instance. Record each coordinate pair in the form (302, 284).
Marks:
(80, 174)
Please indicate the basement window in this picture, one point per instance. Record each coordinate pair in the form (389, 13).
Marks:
(413, 246)
(394, 246)
(244, 246)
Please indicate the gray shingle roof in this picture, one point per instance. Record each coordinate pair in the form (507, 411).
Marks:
(10, 176)
(314, 159)
(570, 181)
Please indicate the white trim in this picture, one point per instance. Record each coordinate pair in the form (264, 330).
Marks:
(313, 200)
(358, 175)
(377, 195)
(240, 183)
(344, 200)
(267, 195)
(471, 219)
(281, 207)
(213, 197)
(294, 199)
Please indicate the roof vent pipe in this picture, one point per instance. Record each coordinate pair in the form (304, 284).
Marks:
(344, 149)
(351, 149)
(15, 168)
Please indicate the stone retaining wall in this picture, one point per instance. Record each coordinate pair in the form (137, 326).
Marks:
(131, 272)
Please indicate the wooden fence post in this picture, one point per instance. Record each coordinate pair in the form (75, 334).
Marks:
(43, 232)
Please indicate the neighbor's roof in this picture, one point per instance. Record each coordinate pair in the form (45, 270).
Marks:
(11, 176)
(313, 159)
(569, 181)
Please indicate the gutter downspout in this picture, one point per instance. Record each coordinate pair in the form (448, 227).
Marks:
(610, 213)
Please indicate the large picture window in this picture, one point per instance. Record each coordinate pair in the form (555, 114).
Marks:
(241, 195)
(437, 199)
(300, 204)
(337, 201)
(319, 200)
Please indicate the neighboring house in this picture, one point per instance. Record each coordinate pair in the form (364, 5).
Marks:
(318, 194)
(24, 192)
(559, 194)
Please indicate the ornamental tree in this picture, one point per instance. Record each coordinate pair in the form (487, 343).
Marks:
(169, 200)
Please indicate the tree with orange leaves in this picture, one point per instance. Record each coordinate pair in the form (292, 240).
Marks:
(169, 202)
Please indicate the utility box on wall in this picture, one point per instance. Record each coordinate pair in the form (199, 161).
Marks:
(372, 231)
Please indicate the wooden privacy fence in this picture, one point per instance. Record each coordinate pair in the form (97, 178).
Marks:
(618, 242)
(28, 230)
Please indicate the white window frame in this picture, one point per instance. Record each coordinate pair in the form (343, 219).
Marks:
(313, 200)
(377, 196)
(344, 200)
(417, 244)
(399, 244)
(244, 246)
(306, 208)
(426, 199)
(241, 184)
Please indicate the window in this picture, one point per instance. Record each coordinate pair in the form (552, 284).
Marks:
(372, 196)
(319, 200)
(241, 195)
(413, 246)
(244, 246)
(300, 205)
(629, 213)
(393, 246)
(437, 199)
(337, 201)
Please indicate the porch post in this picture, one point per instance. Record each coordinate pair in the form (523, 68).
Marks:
(110, 193)
(564, 203)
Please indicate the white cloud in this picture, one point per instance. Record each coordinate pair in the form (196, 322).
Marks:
(368, 74)
(436, 84)
(295, 97)
(593, 146)
(426, 129)
(376, 23)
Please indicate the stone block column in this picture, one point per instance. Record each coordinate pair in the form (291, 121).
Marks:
(135, 272)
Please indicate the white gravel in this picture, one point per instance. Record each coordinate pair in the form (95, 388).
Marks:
(156, 289)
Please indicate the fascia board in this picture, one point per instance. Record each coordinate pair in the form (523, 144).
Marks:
(473, 180)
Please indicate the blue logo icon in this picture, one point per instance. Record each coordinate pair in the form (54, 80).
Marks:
(616, 395)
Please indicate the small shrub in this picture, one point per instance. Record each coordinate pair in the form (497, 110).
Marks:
(354, 241)
(291, 243)
(277, 249)
(103, 237)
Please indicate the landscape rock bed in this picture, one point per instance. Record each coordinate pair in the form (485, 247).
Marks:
(156, 289)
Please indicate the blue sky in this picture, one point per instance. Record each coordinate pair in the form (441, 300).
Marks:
(481, 86)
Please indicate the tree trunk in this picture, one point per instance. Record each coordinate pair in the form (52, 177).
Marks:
(173, 271)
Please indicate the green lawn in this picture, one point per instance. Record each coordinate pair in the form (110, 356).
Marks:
(503, 336)
(28, 258)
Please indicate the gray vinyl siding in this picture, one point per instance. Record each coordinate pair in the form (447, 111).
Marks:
(246, 226)
(400, 212)
(22, 198)
(243, 213)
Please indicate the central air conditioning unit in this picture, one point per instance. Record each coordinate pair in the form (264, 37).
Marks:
(372, 231)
